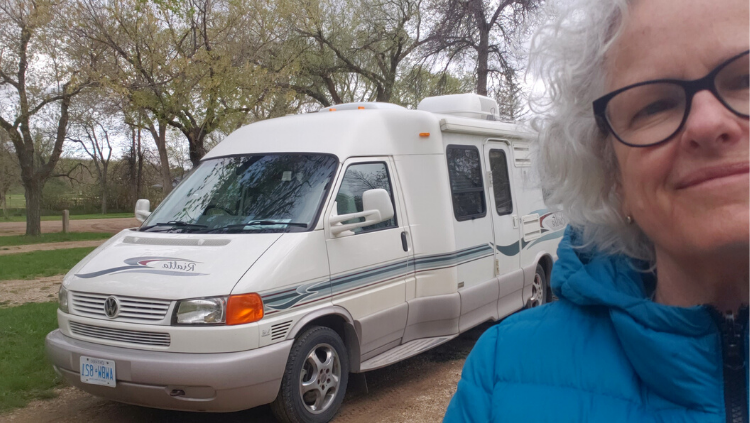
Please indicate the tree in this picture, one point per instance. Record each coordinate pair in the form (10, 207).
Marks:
(91, 128)
(485, 32)
(9, 169)
(184, 62)
(41, 70)
(355, 49)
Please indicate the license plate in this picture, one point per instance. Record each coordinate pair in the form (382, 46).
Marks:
(97, 371)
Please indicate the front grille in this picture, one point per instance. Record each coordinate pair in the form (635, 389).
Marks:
(131, 308)
(120, 335)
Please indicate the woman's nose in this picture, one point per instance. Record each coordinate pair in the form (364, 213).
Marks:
(710, 125)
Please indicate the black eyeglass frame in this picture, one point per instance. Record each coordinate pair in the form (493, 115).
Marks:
(691, 88)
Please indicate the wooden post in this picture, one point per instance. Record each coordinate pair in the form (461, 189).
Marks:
(66, 221)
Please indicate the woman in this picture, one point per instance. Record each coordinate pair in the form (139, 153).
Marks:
(652, 274)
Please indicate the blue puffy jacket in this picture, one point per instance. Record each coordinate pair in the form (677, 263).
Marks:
(606, 353)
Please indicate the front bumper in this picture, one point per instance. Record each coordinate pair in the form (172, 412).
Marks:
(211, 382)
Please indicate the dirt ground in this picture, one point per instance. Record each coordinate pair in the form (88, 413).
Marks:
(86, 225)
(15, 249)
(18, 292)
(416, 390)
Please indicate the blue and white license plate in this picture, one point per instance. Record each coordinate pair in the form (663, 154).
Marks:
(97, 371)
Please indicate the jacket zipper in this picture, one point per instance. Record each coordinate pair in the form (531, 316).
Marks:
(732, 330)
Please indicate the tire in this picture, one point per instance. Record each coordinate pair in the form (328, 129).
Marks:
(540, 292)
(318, 363)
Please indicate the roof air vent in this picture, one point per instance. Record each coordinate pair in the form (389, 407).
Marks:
(464, 105)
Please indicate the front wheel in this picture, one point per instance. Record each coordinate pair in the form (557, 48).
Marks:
(539, 288)
(315, 378)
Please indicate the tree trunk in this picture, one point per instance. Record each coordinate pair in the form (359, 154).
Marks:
(483, 54)
(160, 139)
(196, 138)
(104, 192)
(5, 207)
(33, 191)
(133, 164)
(139, 177)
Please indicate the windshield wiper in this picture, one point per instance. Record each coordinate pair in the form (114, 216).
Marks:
(176, 224)
(243, 226)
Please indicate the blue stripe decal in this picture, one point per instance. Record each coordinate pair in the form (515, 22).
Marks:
(284, 299)
(553, 235)
(509, 250)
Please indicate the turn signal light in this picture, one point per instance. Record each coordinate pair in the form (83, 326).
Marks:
(245, 308)
(424, 134)
(360, 107)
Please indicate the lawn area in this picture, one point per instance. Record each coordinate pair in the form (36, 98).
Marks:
(26, 373)
(40, 263)
(72, 217)
(6, 241)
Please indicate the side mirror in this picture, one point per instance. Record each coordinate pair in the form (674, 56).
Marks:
(142, 209)
(378, 208)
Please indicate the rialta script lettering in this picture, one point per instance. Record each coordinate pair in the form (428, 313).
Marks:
(174, 265)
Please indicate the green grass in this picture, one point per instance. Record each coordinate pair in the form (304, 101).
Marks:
(40, 263)
(73, 217)
(6, 241)
(26, 373)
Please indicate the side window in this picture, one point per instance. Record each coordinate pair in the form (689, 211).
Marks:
(465, 173)
(358, 178)
(501, 182)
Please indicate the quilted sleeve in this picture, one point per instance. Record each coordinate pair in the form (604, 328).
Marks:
(472, 402)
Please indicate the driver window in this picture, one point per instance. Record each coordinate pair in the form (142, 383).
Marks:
(359, 178)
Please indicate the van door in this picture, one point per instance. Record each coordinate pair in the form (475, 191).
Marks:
(505, 227)
(369, 266)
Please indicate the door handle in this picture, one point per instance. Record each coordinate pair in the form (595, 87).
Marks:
(404, 242)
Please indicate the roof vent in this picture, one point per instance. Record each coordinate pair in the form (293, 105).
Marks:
(361, 105)
(464, 105)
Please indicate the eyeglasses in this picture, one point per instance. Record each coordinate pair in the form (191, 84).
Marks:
(651, 112)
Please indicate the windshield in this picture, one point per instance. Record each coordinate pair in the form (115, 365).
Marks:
(254, 193)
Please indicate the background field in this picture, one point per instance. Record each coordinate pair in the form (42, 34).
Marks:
(40, 263)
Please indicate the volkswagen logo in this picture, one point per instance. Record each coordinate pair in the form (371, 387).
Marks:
(112, 307)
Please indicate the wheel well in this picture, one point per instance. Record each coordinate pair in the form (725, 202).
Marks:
(345, 330)
(332, 321)
(546, 262)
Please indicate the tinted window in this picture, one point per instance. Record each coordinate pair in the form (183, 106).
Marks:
(465, 173)
(359, 178)
(501, 182)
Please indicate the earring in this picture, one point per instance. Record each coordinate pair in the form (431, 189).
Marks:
(629, 220)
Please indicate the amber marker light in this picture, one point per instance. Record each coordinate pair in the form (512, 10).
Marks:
(361, 108)
(245, 308)
(331, 109)
(424, 134)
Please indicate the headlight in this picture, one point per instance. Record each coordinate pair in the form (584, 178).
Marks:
(62, 297)
(232, 310)
(202, 310)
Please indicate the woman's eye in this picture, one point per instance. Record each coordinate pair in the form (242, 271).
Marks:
(655, 108)
(740, 82)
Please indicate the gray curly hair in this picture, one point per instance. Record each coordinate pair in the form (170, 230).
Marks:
(576, 162)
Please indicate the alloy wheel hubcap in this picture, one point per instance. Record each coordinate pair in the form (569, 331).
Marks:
(537, 291)
(319, 379)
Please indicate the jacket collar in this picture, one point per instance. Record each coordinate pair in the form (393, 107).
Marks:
(675, 351)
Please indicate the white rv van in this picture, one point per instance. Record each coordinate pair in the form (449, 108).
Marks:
(307, 247)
